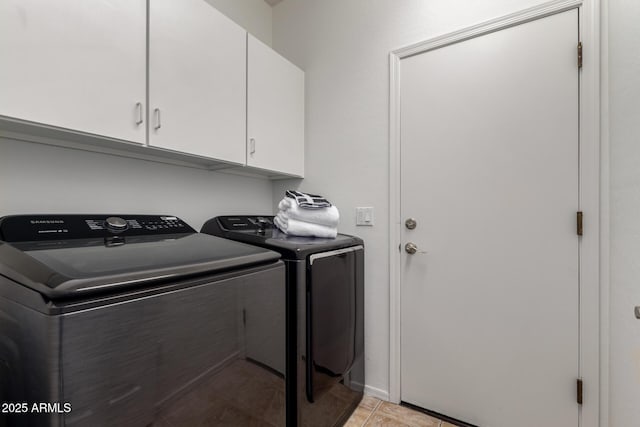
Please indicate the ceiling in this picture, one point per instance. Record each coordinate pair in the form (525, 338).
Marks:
(273, 2)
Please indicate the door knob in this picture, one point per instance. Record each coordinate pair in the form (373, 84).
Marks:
(411, 248)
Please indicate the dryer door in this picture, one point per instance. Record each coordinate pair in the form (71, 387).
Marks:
(331, 318)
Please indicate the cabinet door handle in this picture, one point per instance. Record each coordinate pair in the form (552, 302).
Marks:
(252, 146)
(139, 109)
(158, 122)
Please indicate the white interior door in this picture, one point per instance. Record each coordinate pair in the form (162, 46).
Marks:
(489, 152)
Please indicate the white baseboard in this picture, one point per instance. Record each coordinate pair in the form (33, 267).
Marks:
(376, 392)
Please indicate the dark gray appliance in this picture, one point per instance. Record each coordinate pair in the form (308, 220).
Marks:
(137, 320)
(325, 317)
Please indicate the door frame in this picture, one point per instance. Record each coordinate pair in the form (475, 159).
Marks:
(593, 251)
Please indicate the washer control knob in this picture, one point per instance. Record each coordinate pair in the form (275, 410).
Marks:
(115, 223)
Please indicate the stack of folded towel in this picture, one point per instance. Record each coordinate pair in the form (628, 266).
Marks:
(304, 214)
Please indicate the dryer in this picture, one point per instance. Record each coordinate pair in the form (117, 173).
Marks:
(325, 316)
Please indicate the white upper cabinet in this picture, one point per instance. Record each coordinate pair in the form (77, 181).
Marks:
(75, 64)
(91, 67)
(197, 80)
(275, 111)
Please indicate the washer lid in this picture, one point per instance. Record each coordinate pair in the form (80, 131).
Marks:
(76, 267)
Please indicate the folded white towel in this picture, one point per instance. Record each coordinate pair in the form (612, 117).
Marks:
(324, 216)
(301, 228)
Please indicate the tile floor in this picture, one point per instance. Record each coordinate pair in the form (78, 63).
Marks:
(235, 396)
(374, 412)
(242, 394)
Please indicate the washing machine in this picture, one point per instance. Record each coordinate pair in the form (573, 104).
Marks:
(325, 316)
(137, 320)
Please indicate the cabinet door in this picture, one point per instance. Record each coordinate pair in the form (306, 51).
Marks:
(197, 80)
(275, 119)
(75, 64)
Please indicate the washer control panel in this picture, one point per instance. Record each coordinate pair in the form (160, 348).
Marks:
(26, 228)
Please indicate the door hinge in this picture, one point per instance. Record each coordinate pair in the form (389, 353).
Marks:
(579, 54)
(579, 391)
(579, 223)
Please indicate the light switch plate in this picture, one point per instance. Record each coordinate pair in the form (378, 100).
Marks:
(364, 216)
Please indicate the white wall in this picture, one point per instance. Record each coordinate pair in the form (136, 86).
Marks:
(343, 46)
(38, 178)
(624, 140)
(253, 15)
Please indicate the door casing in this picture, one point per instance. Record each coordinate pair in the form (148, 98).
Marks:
(592, 243)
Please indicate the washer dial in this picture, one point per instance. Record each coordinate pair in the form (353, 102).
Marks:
(116, 224)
